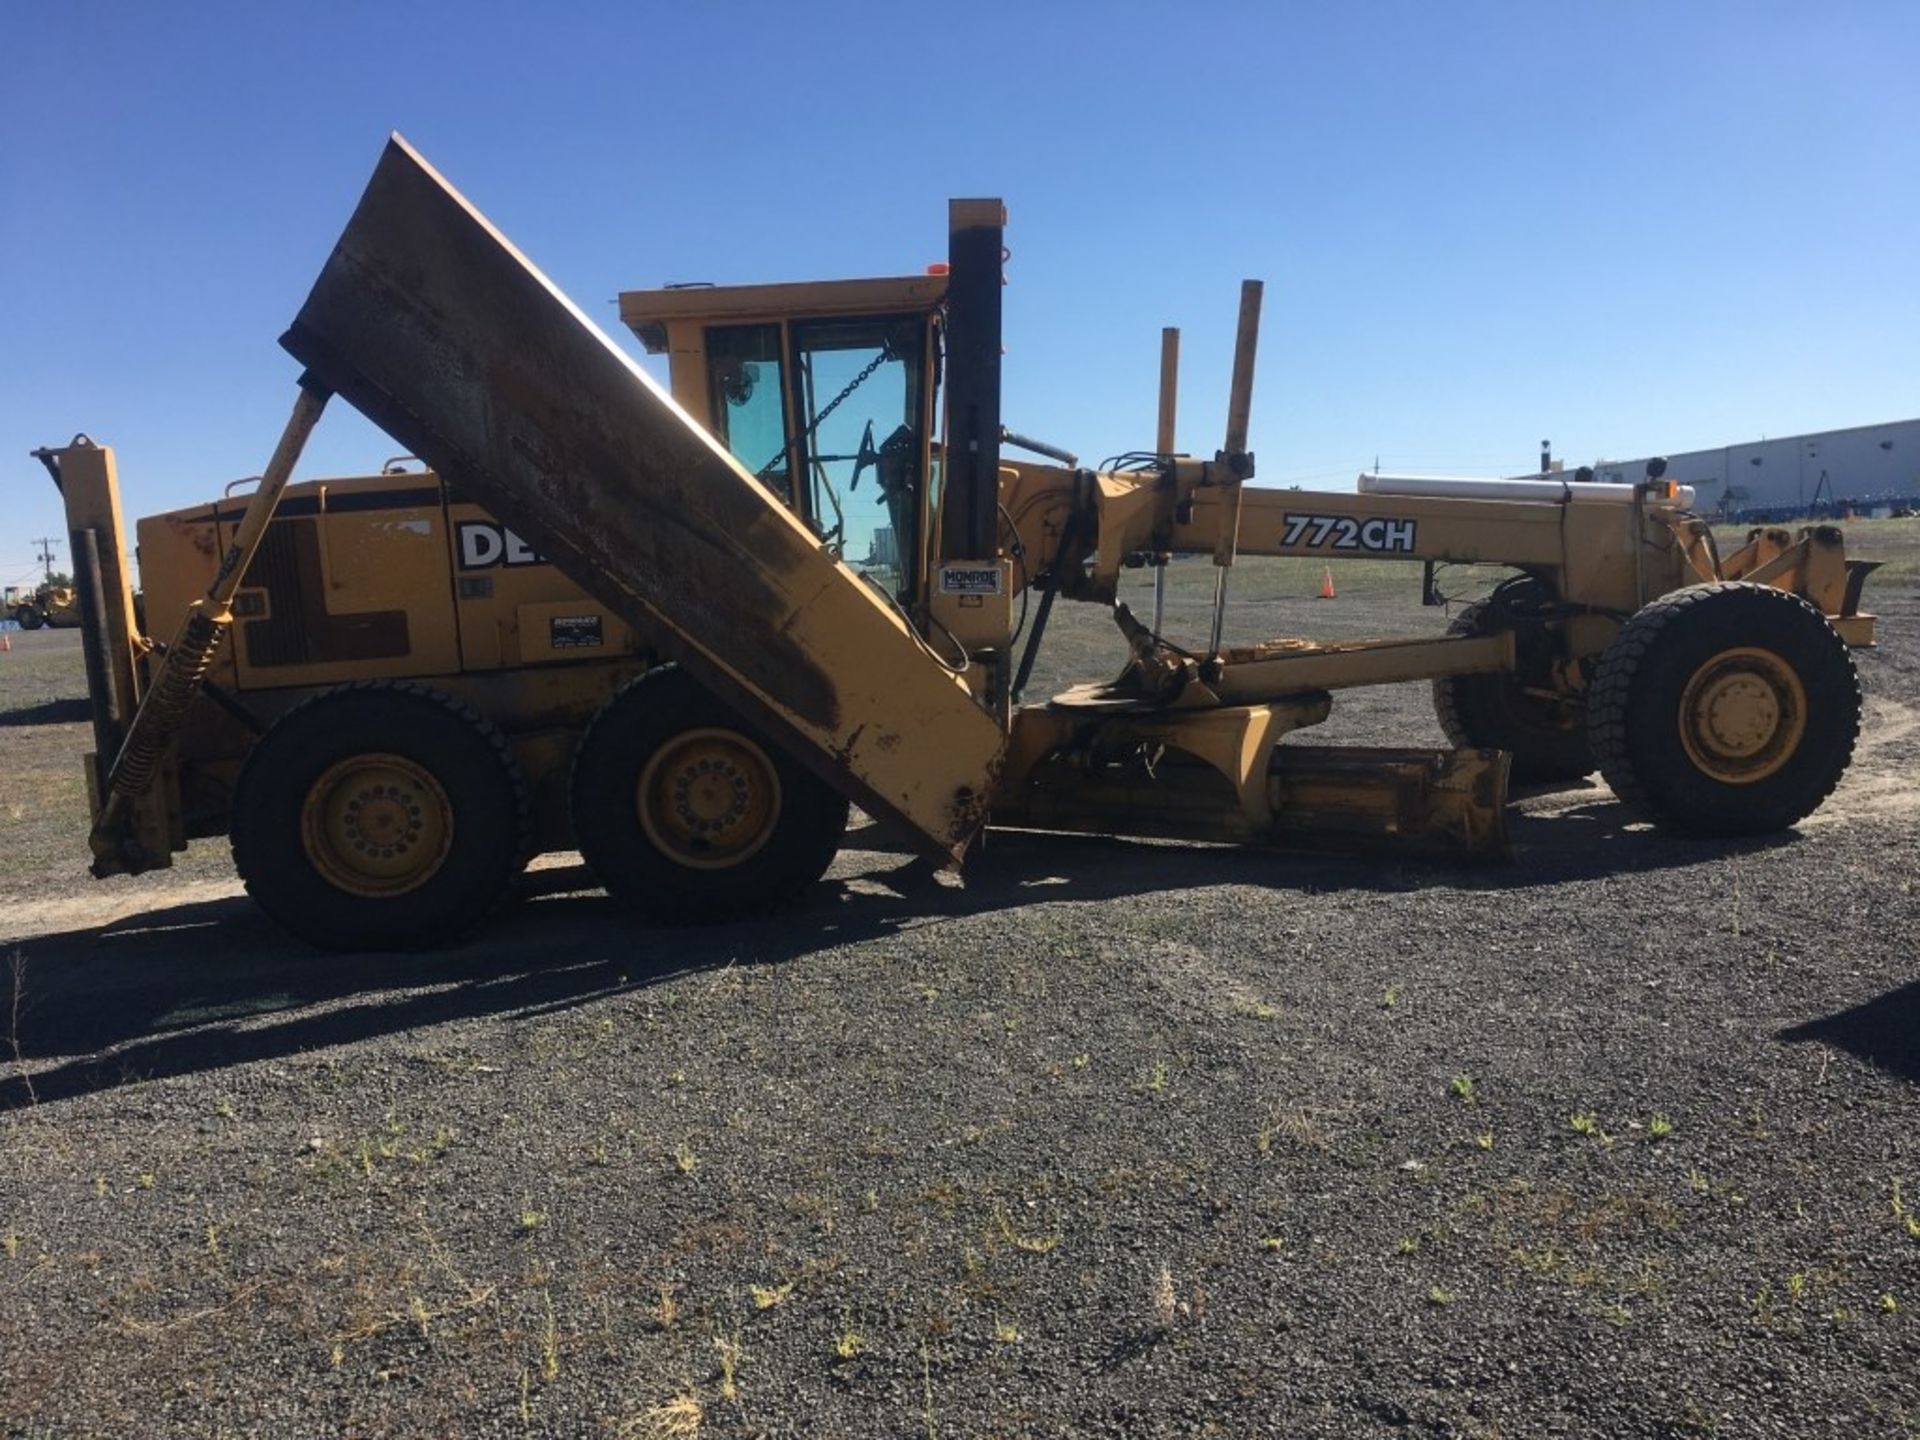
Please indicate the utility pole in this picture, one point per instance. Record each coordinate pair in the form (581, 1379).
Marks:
(45, 542)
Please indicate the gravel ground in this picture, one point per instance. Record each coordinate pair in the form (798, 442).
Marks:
(1116, 1139)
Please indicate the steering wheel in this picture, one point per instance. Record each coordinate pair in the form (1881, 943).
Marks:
(866, 458)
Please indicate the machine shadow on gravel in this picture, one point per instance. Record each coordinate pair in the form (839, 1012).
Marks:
(1884, 1031)
(211, 984)
(48, 712)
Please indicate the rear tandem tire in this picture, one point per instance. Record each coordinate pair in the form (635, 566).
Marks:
(380, 816)
(1725, 709)
(1492, 710)
(683, 811)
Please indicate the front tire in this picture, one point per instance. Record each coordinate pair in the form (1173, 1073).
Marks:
(380, 817)
(684, 811)
(1725, 709)
(29, 617)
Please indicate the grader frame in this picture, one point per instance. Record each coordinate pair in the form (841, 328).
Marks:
(899, 688)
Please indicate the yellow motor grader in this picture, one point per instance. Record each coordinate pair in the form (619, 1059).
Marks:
(684, 632)
(45, 604)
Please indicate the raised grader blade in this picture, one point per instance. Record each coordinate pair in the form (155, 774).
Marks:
(435, 327)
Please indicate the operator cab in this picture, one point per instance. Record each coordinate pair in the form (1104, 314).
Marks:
(825, 392)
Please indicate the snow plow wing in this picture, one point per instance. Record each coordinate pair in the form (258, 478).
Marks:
(430, 323)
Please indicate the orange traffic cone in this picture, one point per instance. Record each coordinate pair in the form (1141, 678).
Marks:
(6, 643)
(1326, 584)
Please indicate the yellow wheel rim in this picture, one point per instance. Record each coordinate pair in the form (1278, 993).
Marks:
(377, 825)
(709, 798)
(1743, 715)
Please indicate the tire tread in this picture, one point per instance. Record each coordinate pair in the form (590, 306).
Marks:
(495, 739)
(1609, 697)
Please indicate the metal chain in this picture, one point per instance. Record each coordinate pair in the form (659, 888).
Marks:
(886, 354)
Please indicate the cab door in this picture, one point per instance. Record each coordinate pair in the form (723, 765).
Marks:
(832, 415)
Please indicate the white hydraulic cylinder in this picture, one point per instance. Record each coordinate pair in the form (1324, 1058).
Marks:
(1568, 491)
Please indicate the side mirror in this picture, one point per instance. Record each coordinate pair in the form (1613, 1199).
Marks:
(1656, 467)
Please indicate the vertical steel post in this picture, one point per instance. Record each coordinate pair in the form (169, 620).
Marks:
(96, 648)
(1164, 445)
(1234, 458)
(969, 509)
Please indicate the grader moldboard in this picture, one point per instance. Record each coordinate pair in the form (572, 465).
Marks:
(671, 630)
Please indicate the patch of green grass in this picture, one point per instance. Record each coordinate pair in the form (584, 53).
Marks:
(728, 1348)
(1909, 1221)
(1543, 1263)
(1462, 1087)
(1588, 1124)
(549, 1344)
(850, 1343)
(1299, 1127)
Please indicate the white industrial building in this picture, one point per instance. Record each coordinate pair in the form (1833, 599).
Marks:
(1870, 468)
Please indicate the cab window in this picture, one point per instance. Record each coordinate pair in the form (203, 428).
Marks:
(858, 394)
(747, 401)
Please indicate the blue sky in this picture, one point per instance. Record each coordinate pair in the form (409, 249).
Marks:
(1627, 227)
